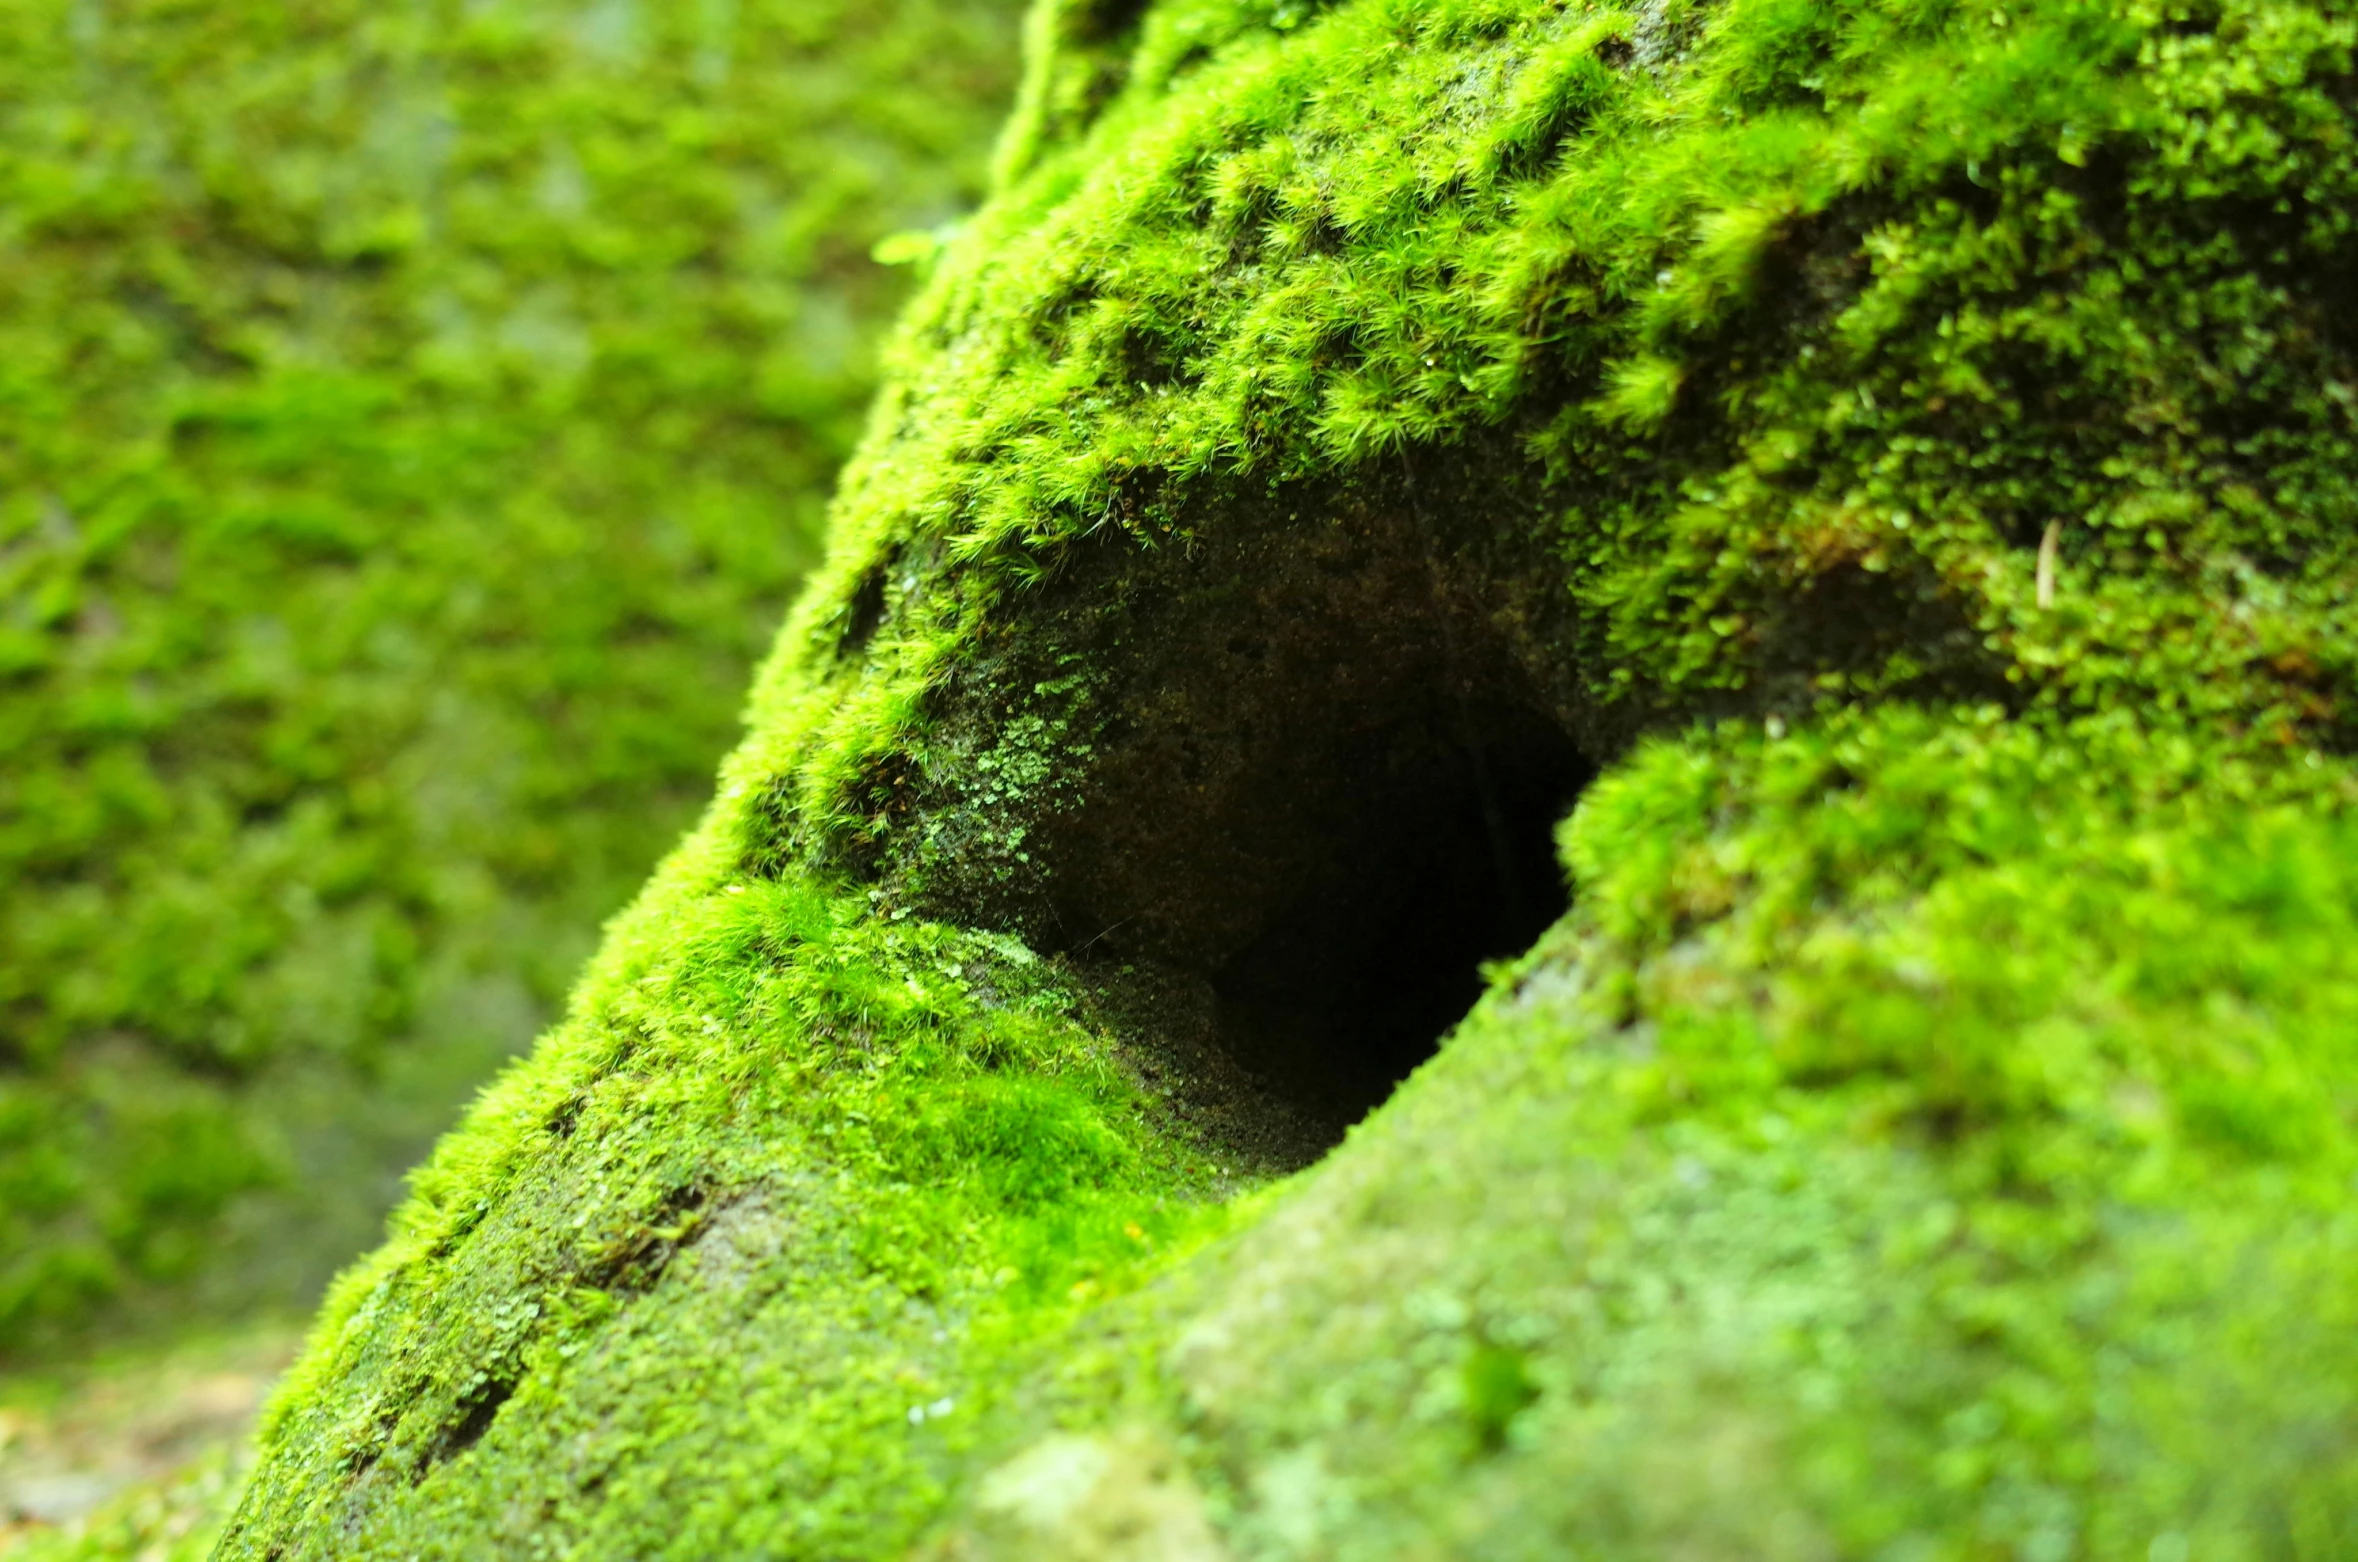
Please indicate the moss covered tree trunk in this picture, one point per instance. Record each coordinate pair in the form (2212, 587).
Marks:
(1881, 473)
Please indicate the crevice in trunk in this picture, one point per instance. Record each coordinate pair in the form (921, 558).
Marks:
(1299, 775)
(1437, 855)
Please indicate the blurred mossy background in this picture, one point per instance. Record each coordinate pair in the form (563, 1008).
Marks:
(413, 417)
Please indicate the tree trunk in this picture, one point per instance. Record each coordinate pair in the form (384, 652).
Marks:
(1883, 471)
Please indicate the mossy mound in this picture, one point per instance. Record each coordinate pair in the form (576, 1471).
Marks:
(414, 423)
(1888, 462)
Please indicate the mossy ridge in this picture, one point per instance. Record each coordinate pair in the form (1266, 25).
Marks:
(415, 425)
(1818, 313)
(1929, 1135)
(910, 1111)
(2018, 1018)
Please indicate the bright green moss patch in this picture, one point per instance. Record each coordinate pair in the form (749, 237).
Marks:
(413, 426)
(911, 1112)
(2157, 919)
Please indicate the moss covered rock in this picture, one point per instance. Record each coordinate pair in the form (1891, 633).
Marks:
(1879, 472)
(414, 422)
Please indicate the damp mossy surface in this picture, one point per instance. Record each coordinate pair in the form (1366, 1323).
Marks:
(1902, 448)
(415, 422)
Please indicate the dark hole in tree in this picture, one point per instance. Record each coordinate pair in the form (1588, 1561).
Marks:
(1437, 854)
(1323, 794)
(475, 1417)
(1105, 21)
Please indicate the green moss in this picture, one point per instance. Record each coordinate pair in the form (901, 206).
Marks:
(414, 425)
(952, 1164)
(1887, 1157)
(1770, 313)
(175, 1519)
(1905, 446)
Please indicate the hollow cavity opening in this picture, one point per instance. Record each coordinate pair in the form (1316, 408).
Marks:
(1327, 750)
(1433, 853)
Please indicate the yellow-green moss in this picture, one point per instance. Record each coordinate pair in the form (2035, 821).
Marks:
(413, 423)
(1799, 305)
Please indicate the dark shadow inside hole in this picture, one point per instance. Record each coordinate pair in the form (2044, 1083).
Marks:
(1436, 854)
(1105, 21)
(1326, 746)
